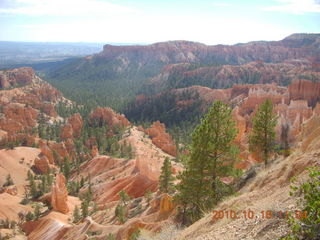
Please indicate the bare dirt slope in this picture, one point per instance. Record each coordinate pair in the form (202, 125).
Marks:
(17, 162)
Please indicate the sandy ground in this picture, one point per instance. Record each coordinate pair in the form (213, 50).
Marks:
(11, 161)
(17, 162)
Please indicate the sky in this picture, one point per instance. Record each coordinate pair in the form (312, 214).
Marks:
(148, 21)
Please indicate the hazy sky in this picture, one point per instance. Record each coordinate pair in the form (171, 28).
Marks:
(148, 21)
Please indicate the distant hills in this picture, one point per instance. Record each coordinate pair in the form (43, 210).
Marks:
(15, 53)
(130, 70)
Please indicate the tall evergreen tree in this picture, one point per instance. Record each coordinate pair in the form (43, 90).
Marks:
(76, 214)
(166, 178)
(85, 208)
(66, 168)
(37, 212)
(263, 134)
(285, 139)
(212, 155)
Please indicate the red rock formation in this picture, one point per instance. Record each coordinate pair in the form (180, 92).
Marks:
(72, 128)
(259, 93)
(76, 123)
(20, 107)
(46, 151)
(71, 149)
(16, 77)
(166, 204)
(48, 109)
(41, 96)
(241, 125)
(227, 75)
(305, 90)
(3, 136)
(208, 95)
(42, 164)
(310, 133)
(316, 110)
(60, 149)
(47, 93)
(292, 115)
(59, 197)
(102, 116)
(66, 132)
(18, 118)
(94, 151)
(91, 142)
(161, 138)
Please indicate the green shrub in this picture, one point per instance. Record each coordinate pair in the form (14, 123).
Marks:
(29, 216)
(305, 224)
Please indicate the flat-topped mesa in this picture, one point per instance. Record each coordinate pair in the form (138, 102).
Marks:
(16, 77)
(172, 52)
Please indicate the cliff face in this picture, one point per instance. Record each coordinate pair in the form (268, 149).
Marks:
(184, 51)
(304, 89)
(184, 75)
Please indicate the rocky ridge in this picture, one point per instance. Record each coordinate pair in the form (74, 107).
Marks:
(22, 107)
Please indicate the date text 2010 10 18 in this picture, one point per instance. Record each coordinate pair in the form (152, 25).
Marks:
(249, 214)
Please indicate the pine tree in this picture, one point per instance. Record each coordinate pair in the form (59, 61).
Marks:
(135, 235)
(29, 216)
(124, 197)
(121, 212)
(76, 214)
(33, 188)
(84, 208)
(37, 211)
(130, 154)
(148, 196)
(262, 136)
(57, 158)
(66, 168)
(9, 181)
(212, 155)
(166, 178)
(29, 175)
(89, 192)
(285, 139)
